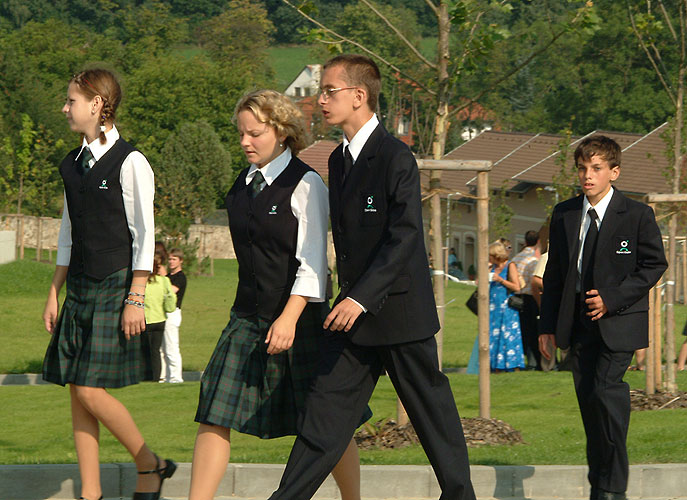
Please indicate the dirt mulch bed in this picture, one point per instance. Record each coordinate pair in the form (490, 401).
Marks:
(386, 434)
(641, 401)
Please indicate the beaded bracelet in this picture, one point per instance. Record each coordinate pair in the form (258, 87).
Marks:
(134, 294)
(134, 303)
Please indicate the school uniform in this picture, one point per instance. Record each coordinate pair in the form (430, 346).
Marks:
(626, 261)
(279, 236)
(107, 231)
(376, 218)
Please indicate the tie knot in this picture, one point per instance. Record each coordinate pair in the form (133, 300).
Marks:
(592, 214)
(259, 178)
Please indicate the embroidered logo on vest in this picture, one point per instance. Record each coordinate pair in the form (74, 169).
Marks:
(103, 185)
(273, 210)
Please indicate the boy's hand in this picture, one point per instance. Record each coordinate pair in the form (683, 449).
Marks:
(596, 305)
(343, 316)
(547, 345)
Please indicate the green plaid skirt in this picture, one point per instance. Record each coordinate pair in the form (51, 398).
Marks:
(248, 390)
(88, 346)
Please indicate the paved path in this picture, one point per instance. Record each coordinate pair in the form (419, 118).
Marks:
(379, 482)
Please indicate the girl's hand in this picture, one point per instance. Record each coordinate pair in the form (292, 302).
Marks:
(50, 313)
(280, 335)
(133, 321)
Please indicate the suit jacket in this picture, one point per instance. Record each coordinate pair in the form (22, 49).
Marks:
(628, 261)
(379, 240)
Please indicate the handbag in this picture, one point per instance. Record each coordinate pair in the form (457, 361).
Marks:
(516, 302)
(472, 302)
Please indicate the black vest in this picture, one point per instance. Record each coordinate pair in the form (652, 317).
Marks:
(264, 232)
(101, 240)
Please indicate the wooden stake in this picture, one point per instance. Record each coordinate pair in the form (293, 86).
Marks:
(483, 293)
(649, 375)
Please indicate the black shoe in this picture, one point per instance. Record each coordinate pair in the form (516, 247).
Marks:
(166, 472)
(608, 495)
(84, 498)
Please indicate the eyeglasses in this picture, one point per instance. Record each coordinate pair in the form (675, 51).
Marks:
(327, 93)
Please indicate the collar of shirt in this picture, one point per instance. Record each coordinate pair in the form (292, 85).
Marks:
(97, 149)
(600, 207)
(272, 170)
(355, 145)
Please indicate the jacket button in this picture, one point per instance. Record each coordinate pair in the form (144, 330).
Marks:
(344, 256)
(345, 284)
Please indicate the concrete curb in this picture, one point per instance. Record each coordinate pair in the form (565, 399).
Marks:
(379, 482)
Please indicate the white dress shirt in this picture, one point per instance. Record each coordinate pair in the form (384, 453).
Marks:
(600, 209)
(355, 145)
(310, 206)
(138, 191)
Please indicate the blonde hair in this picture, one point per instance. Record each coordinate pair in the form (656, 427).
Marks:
(102, 82)
(276, 110)
(498, 251)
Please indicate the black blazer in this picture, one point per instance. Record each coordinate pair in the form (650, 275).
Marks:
(378, 236)
(628, 261)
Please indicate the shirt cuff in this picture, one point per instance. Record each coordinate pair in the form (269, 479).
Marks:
(310, 287)
(357, 303)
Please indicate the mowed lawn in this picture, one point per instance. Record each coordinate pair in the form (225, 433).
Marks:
(35, 425)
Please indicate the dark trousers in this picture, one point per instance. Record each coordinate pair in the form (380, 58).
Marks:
(604, 401)
(529, 327)
(347, 376)
(151, 342)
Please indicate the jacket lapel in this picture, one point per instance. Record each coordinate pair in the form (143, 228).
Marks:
(335, 181)
(363, 162)
(611, 221)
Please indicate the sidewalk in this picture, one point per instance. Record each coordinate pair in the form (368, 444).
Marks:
(379, 482)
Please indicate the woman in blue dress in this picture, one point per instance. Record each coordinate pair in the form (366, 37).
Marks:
(505, 339)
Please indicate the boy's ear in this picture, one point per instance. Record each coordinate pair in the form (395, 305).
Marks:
(359, 97)
(615, 172)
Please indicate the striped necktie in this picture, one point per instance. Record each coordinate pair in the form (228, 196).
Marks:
(257, 184)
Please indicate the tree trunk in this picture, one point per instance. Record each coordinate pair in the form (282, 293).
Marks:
(438, 147)
(671, 384)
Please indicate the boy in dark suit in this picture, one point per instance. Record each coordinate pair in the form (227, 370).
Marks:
(385, 316)
(605, 254)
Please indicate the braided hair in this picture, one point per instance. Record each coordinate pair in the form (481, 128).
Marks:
(102, 82)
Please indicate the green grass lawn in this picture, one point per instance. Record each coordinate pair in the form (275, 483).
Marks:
(35, 425)
(36, 428)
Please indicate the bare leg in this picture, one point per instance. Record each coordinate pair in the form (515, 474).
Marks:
(114, 415)
(86, 441)
(210, 459)
(640, 355)
(682, 357)
(347, 473)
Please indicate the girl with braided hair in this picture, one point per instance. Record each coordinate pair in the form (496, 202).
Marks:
(105, 253)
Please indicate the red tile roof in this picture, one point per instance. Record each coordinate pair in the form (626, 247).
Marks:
(317, 155)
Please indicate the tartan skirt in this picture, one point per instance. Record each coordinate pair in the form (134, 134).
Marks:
(245, 389)
(88, 346)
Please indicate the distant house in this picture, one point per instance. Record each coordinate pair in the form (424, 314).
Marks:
(307, 83)
(524, 166)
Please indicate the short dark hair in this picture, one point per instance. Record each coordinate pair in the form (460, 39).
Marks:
(361, 71)
(598, 145)
(531, 238)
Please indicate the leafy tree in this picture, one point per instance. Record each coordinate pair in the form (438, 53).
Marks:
(195, 169)
(239, 36)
